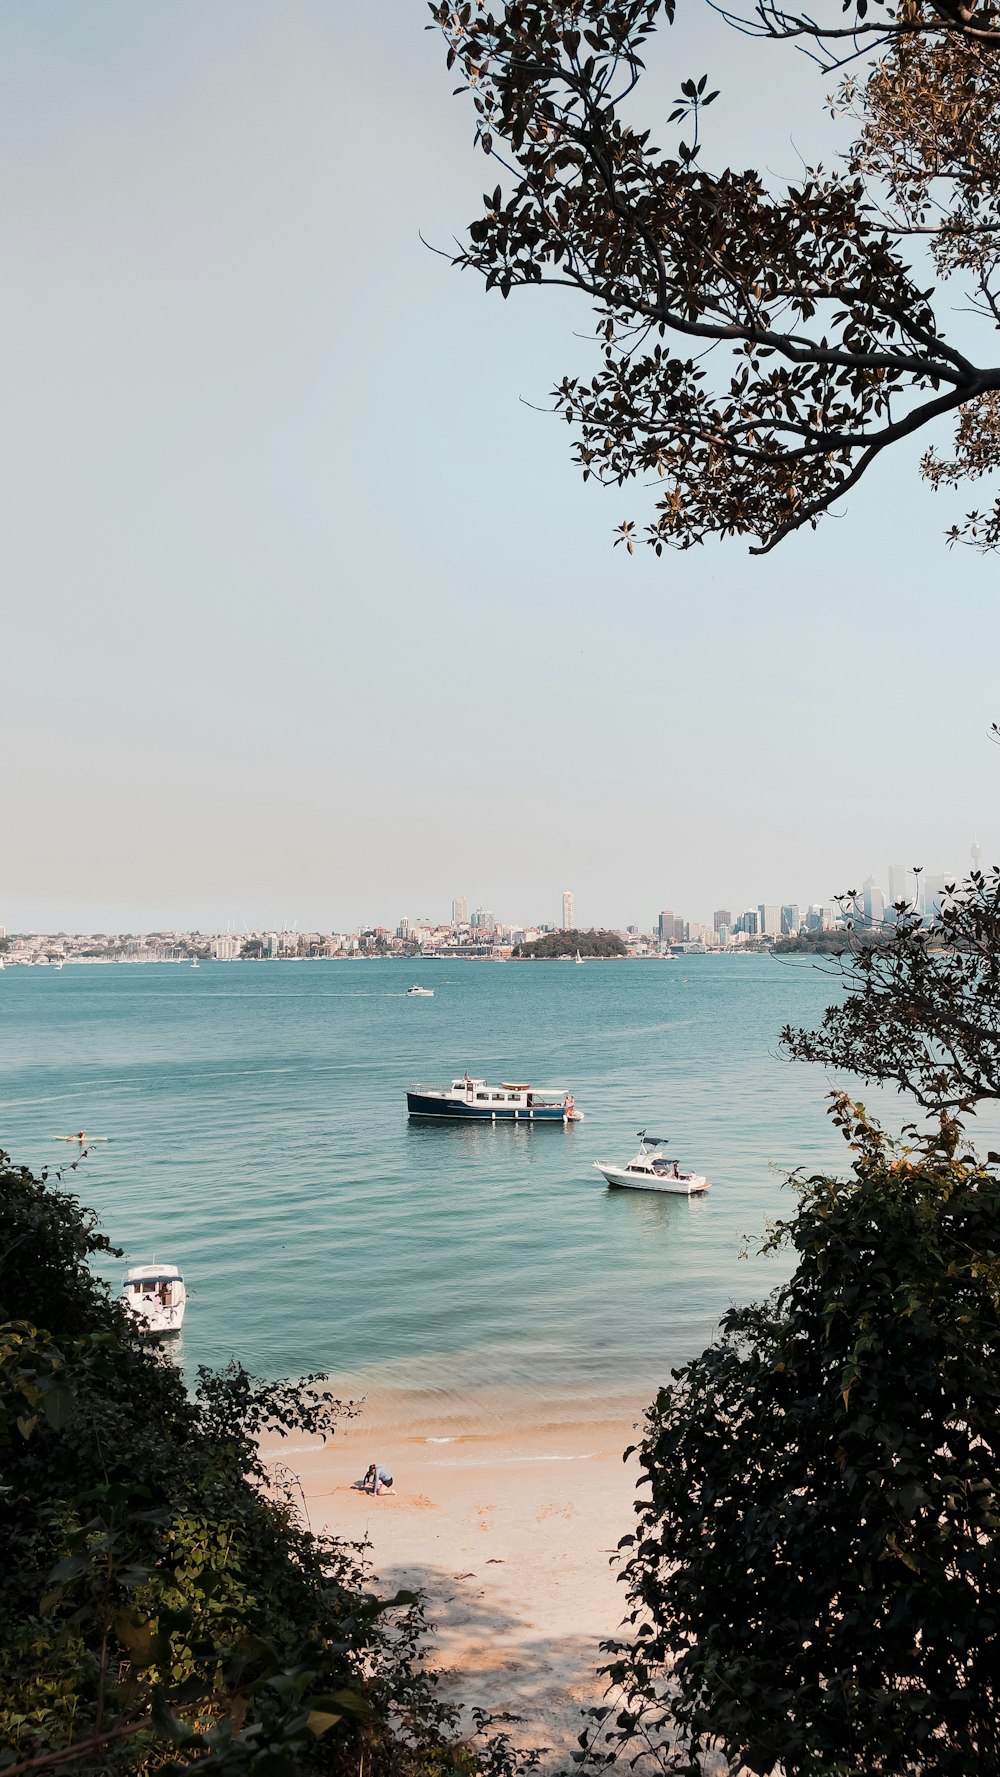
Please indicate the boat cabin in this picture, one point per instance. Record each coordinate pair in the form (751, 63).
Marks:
(162, 1284)
(479, 1092)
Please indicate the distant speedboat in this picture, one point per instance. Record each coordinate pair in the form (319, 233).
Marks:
(477, 1101)
(649, 1170)
(155, 1296)
(420, 993)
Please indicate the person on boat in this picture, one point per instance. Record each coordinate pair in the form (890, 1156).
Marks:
(377, 1479)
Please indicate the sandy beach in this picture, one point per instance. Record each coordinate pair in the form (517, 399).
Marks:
(510, 1530)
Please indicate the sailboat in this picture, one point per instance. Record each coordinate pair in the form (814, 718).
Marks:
(579, 958)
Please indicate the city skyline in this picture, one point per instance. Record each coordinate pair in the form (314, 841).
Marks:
(922, 889)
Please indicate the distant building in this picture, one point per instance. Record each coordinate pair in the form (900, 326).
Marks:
(403, 928)
(873, 902)
(723, 934)
(770, 920)
(789, 920)
(460, 911)
(671, 928)
(934, 895)
(567, 911)
(901, 887)
(226, 949)
(483, 920)
(722, 918)
(748, 923)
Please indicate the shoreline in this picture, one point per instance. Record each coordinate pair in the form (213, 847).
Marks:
(510, 1530)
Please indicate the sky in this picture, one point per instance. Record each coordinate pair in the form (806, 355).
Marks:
(308, 616)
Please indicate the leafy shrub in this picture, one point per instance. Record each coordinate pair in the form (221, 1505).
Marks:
(161, 1603)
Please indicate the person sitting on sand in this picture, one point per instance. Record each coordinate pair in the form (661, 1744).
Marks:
(377, 1479)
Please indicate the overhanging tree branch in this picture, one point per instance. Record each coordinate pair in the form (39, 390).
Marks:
(835, 351)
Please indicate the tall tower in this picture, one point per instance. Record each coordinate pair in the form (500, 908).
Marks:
(460, 911)
(977, 852)
(567, 913)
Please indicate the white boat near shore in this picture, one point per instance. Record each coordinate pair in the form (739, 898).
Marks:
(651, 1170)
(419, 993)
(156, 1297)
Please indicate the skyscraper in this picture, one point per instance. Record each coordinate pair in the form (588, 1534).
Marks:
(900, 884)
(976, 852)
(934, 895)
(460, 911)
(790, 920)
(567, 912)
(721, 918)
(770, 920)
(873, 901)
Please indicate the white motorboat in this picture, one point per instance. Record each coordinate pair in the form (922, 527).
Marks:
(420, 993)
(650, 1170)
(156, 1297)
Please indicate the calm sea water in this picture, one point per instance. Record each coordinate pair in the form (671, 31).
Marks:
(260, 1141)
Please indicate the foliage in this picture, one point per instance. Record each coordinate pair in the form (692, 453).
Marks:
(567, 943)
(923, 1007)
(761, 344)
(814, 1579)
(162, 1604)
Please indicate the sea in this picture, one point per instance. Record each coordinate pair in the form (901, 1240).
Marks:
(258, 1138)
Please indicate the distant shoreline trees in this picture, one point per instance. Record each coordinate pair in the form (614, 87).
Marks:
(556, 944)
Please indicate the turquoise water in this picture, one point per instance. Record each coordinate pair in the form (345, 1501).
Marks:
(261, 1142)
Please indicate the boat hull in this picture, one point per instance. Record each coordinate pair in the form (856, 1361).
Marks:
(619, 1179)
(420, 1105)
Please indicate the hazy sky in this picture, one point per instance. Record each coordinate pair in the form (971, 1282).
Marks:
(308, 616)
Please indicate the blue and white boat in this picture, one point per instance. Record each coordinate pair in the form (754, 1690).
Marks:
(478, 1101)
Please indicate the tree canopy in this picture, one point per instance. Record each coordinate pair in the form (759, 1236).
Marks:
(162, 1603)
(814, 1577)
(591, 943)
(761, 344)
(922, 1007)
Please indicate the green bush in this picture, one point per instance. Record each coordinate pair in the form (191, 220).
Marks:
(815, 1579)
(161, 1603)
